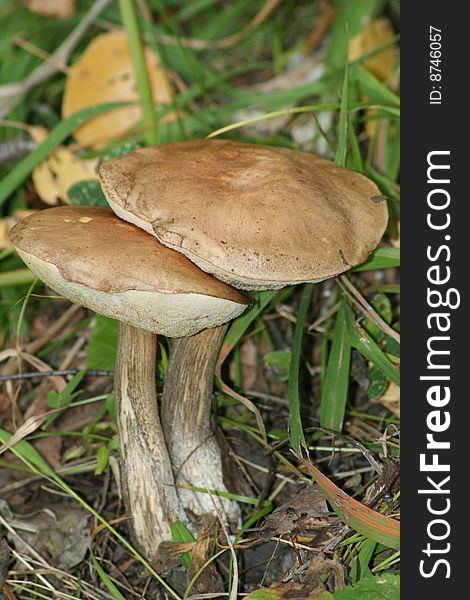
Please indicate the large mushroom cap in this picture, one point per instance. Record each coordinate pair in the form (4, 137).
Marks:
(92, 257)
(255, 216)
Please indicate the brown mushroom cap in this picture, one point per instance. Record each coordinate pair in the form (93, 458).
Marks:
(255, 216)
(92, 257)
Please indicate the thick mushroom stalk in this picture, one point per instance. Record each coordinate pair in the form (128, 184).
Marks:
(188, 427)
(90, 256)
(146, 474)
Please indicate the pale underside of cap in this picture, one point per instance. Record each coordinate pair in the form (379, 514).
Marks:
(91, 257)
(255, 216)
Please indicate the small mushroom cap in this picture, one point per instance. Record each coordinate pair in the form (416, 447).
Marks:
(255, 216)
(92, 257)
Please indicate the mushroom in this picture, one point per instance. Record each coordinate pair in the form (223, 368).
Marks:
(254, 216)
(95, 259)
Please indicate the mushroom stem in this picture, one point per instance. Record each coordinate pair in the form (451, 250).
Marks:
(146, 475)
(189, 431)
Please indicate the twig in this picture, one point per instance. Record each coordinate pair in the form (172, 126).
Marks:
(15, 148)
(39, 53)
(365, 307)
(74, 350)
(53, 330)
(31, 551)
(38, 343)
(4, 560)
(322, 23)
(197, 44)
(13, 93)
(55, 373)
(268, 7)
(8, 592)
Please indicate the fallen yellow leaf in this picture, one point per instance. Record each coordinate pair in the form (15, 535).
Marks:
(61, 9)
(55, 176)
(391, 399)
(8, 222)
(375, 34)
(382, 64)
(104, 74)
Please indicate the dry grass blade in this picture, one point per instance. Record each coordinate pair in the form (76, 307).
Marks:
(35, 345)
(35, 51)
(29, 426)
(247, 404)
(17, 356)
(13, 93)
(196, 44)
(259, 18)
(374, 525)
(8, 592)
(323, 22)
(31, 550)
(234, 588)
(349, 289)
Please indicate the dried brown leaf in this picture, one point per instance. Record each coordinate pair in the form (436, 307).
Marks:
(305, 511)
(60, 533)
(370, 523)
(209, 579)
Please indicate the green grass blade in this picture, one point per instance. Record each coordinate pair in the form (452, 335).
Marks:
(384, 587)
(342, 149)
(16, 277)
(356, 157)
(29, 453)
(241, 324)
(16, 177)
(360, 564)
(31, 457)
(106, 580)
(371, 87)
(144, 89)
(336, 386)
(355, 14)
(295, 423)
(361, 340)
(180, 533)
(382, 258)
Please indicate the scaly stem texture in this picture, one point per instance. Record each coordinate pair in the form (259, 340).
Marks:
(186, 418)
(146, 474)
